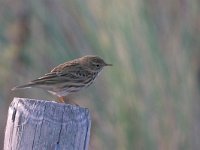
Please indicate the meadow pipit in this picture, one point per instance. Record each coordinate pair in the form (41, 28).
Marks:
(69, 77)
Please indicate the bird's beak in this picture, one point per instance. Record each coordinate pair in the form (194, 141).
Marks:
(108, 65)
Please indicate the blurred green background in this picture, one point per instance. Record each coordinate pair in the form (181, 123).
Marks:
(149, 99)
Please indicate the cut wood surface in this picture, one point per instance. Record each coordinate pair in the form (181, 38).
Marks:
(46, 125)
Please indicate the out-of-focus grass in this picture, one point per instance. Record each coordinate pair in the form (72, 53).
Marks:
(147, 100)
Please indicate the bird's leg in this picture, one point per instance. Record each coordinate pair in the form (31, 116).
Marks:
(61, 99)
(66, 100)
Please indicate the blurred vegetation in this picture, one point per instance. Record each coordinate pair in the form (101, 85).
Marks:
(149, 99)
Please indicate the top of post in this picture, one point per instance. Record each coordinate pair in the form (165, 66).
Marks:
(50, 110)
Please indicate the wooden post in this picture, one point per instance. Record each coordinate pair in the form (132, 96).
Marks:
(46, 125)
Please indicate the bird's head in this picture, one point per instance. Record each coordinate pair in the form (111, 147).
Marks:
(93, 63)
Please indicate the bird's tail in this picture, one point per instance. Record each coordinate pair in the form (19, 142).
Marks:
(29, 85)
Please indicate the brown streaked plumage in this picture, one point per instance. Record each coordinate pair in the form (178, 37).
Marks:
(69, 77)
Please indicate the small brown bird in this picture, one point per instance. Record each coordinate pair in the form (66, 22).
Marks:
(69, 77)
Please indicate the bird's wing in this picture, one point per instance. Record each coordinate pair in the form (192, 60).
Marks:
(59, 77)
(65, 66)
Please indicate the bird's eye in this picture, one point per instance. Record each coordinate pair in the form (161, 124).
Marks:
(97, 65)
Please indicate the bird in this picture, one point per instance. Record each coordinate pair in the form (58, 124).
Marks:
(69, 77)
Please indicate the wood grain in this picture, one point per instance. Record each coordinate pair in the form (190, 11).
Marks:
(46, 125)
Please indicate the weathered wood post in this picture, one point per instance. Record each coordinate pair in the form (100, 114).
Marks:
(46, 125)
